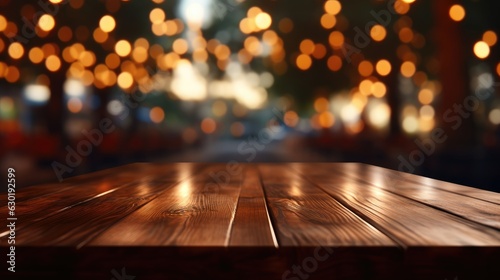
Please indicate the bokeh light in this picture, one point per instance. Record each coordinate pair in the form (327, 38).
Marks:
(457, 12)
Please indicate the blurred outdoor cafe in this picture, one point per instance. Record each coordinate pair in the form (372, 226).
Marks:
(410, 85)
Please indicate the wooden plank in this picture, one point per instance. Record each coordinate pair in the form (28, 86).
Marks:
(466, 191)
(76, 224)
(195, 212)
(475, 210)
(405, 220)
(252, 215)
(304, 215)
(48, 204)
(126, 172)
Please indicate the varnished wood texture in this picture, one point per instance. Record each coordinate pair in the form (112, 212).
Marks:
(254, 221)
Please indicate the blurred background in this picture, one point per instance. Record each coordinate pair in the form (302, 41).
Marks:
(404, 84)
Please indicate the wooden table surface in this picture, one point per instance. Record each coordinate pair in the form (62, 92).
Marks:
(267, 221)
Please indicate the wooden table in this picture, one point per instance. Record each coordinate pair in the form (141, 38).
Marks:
(255, 221)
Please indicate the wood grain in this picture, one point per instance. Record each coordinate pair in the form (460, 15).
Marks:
(81, 191)
(251, 214)
(305, 215)
(195, 212)
(88, 212)
(410, 223)
(473, 209)
(466, 191)
(247, 221)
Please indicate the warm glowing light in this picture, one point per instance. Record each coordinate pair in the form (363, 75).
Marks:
(65, 33)
(270, 37)
(74, 87)
(304, 62)
(498, 69)
(319, 51)
(379, 89)
(156, 114)
(328, 21)
(326, 119)
(87, 58)
(336, 39)
(37, 93)
(332, 7)
(291, 118)
(155, 51)
(494, 116)
(490, 37)
(46, 22)
(321, 105)
(223, 52)
(16, 50)
(365, 87)
(401, 7)
(359, 100)
(427, 112)
(247, 26)
(379, 114)
(125, 80)
(53, 63)
(378, 32)
(383, 67)
(410, 124)
(263, 21)
(3, 23)
(200, 55)
(3, 69)
(140, 54)
(180, 46)
(112, 61)
(75, 105)
(350, 114)
(99, 35)
(159, 29)
(208, 126)
(187, 82)
(56, 1)
(36, 55)
(123, 48)
(457, 12)
(75, 50)
(157, 16)
(12, 75)
(219, 108)
(253, 12)
(426, 124)
(307, 46)
(408, 69)
(334, 63)
(365, 68)
(426, 96)
(49, 49)
(420, 78)
(107, 23)
(481, 50)
(406, 35)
